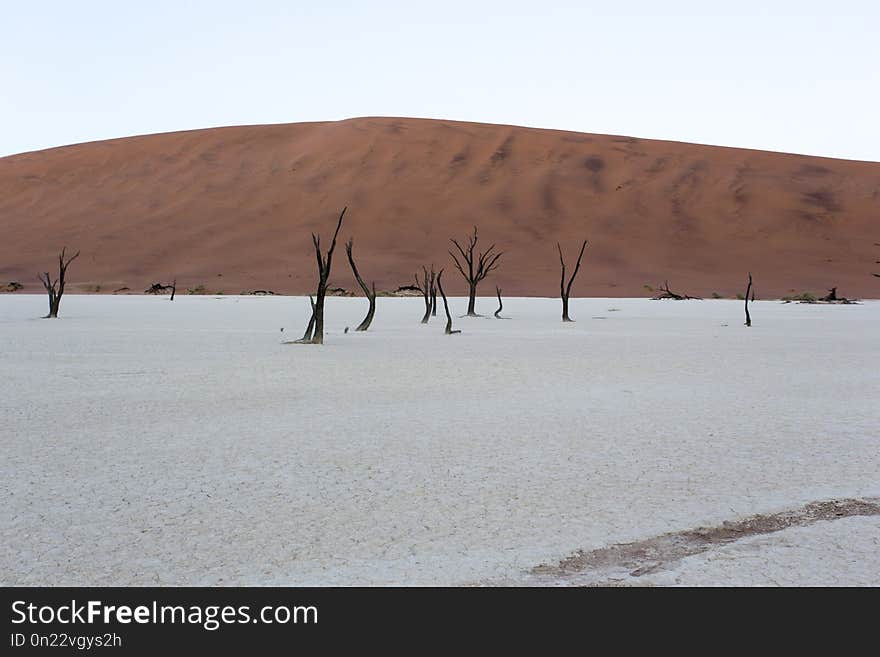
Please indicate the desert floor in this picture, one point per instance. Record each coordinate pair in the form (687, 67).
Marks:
(154, 442)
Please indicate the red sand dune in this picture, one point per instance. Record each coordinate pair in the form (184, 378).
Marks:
(232, 208)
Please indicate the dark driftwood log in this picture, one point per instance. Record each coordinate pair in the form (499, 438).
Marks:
(55, 289)
(477, 269)
(449, 330)
(364, 325)
(748, 289)
(565, 291)
(324, 264)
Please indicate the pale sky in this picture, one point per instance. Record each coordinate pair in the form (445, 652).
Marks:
(800, 77)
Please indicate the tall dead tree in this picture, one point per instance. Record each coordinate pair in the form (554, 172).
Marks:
(173, 289)
(364, 325)
(449, 330)
(477, 267)
(427, 286)
(55, 289)
(324, 263)
(500, 305)
(565, 290)
(749, 290)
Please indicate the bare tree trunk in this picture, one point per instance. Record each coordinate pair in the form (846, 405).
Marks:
(477, 268)
(428, 290)
(472, 301)
(500, 305)
(307, 336)
(449, 330)
(364, 325)
(433, 298)
(317, 321)
(55, 289)
(565, 291)
(748, 289)
(173, 289)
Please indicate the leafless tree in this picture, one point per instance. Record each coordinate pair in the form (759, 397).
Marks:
(749, 290)
(55, 289)
(449, 330)
(427, 286)
(500, 305)
(173, 289)
(565, 290)
(477, 267)
(324, 262)
(371, 295)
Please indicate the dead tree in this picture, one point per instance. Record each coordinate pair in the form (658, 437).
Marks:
(749, 289)
(500, 305)
(429, 291)
(173, 289)
(565, 291)
(324, 263)
(433, 298)
(449, 330)
(668, 294)
(831, 296)
(307, 336)
(55, 289)
(477, 268)
(364, 325)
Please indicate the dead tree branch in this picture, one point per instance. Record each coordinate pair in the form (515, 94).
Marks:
(500, 305)
(748, 290)
(449, 330)
(364, 325)
(668, 294)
